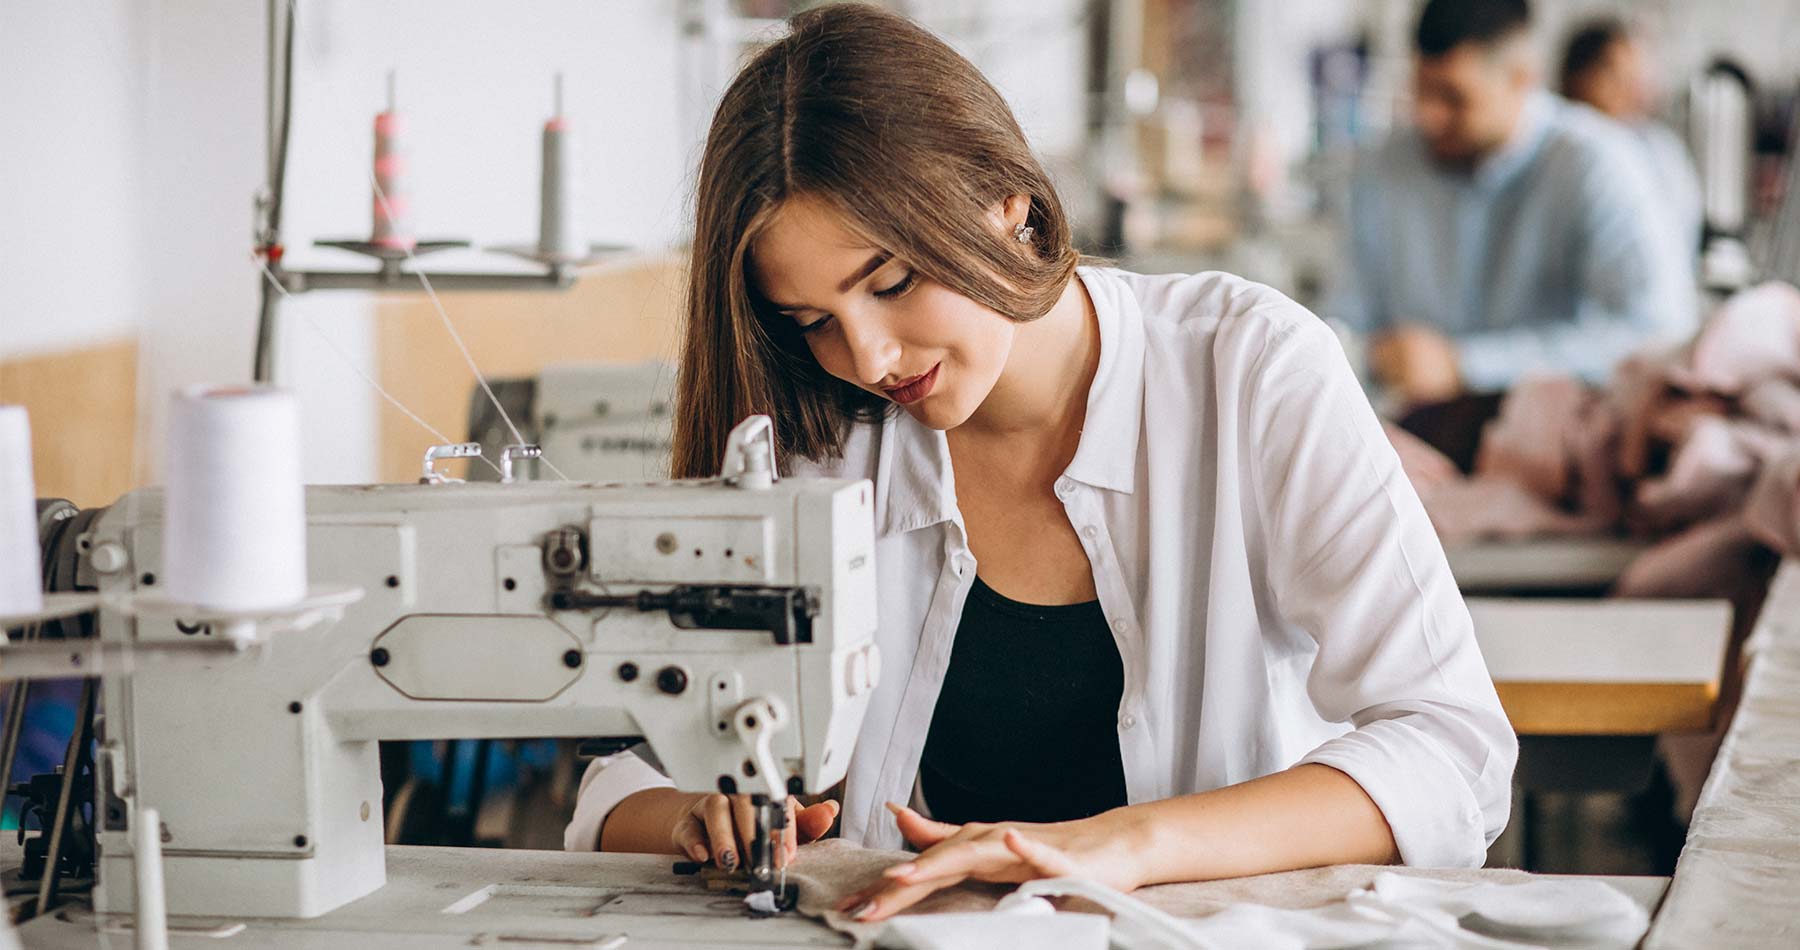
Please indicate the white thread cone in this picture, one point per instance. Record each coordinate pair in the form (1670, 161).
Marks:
(234, 533)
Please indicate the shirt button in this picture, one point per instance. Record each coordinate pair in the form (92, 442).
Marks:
(1090, 532)
(1120, 626)
(1064, 488)
(1127, 721)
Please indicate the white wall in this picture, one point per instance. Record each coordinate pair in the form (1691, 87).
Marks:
(71, 128)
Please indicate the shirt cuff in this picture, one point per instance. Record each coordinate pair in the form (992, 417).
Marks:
(1428, 804)
(608, 781)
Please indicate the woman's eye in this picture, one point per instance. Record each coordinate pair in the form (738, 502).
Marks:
(816, 325)
(905, 284)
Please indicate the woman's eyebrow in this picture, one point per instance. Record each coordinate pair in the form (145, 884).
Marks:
(869, 266)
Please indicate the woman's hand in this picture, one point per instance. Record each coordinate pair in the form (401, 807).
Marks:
(721, 827)
(1101, 848)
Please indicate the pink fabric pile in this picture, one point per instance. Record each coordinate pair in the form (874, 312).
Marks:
(1697, 446)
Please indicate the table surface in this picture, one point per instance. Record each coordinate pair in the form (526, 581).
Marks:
(1604, 667)
(1560, 668)
(1541, 564)
(1737, 883)
(460, 897)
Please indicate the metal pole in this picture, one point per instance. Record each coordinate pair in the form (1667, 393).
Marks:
(280, 96)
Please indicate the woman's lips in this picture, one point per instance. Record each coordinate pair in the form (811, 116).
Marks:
(914, 389)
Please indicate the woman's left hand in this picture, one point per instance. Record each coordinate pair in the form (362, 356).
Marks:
(1100, 848)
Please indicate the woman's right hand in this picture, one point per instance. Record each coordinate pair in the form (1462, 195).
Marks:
(719, 827)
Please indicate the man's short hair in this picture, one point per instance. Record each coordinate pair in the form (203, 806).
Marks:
(1446, 24)
(1587, 48)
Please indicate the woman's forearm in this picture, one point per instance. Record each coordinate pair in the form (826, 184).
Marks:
(1308, 816)
(643, 820)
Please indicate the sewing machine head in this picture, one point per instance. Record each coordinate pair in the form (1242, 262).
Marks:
(728, 623)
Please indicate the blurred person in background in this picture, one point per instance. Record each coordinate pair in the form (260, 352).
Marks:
(1506, 231)
(1605, 66)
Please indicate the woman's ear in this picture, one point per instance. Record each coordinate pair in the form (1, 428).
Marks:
(1010, 212)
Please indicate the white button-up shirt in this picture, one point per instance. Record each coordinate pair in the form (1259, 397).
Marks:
(1276, 591)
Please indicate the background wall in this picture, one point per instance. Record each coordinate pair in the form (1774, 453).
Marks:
(125, 255)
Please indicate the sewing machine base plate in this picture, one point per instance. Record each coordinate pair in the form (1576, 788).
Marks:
(463, 897)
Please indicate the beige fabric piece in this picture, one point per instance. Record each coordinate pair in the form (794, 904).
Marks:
(1529, 441)
(1773, 510)
(1477, 508)
(1425, 467)
(1752, 336)
(1774, 401)
(1705, 560)
(828, 871)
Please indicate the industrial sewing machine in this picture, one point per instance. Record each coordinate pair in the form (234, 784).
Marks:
(729, 623)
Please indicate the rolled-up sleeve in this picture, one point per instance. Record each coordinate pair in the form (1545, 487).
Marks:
(1353, 562)
(608, 781)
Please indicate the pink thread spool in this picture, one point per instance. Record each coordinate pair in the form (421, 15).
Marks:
(559, 232)
(389, 198)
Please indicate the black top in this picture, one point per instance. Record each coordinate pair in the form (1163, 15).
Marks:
(1026, 725)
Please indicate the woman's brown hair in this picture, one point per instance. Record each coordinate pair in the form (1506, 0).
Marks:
(902, 136)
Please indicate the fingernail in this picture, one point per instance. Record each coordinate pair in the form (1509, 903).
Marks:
(698, 853)
(896, 809)
(729, 860)
(900, 870)
(863, 910)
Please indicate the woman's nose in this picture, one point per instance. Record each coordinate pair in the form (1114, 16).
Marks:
(873, 351)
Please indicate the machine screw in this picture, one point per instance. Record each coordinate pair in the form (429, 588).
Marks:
(299, 841)
(148, 580)
(628, 671)
(109, 558)
(294, 707)
(572, 659)
(393, 581)
(562, 552)
(796, 786)
(672, 680)
(379, 656)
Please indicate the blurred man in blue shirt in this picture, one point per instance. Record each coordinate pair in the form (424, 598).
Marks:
(1605, 66)
(1507, 231)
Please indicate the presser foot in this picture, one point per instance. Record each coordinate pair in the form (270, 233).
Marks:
(760, 899)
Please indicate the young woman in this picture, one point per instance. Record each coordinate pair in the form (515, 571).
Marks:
(1157, 603)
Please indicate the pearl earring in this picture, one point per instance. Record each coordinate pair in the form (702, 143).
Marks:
(1022, 233)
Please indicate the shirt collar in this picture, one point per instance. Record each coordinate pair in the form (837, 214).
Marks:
(917, 485)
(1107, 454)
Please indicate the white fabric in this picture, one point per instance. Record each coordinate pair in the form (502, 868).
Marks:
(1030, 924)
(1395, 912)
(1275, 589)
